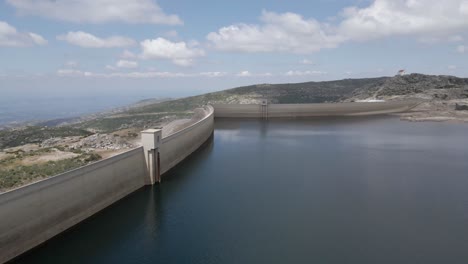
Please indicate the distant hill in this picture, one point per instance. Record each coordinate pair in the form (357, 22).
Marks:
(412, 85)
(417, 85)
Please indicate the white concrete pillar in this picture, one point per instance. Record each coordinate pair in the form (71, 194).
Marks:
(264, 109)
(151, 140)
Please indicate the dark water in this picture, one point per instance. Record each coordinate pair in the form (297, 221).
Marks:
(361, 190)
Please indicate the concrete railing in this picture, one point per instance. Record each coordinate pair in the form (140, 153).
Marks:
(238, 110)
(35, 213)
(310, 110)
(176, 147)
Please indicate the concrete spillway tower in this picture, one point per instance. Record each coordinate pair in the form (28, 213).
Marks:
(151, 140)
(264, 109)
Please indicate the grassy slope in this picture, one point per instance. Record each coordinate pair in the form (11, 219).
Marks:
(309, 92)
(36, 134)
(12, 176)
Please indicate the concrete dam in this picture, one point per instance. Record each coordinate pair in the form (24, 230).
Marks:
(33, 214)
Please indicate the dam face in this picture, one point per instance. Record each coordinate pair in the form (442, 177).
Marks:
(345, 190)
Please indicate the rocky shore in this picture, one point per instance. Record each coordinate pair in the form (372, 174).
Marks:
(437, 111)
(443, 98)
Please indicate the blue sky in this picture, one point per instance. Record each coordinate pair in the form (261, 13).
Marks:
(177, 48)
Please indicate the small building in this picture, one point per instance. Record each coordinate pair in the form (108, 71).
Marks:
(401, 72)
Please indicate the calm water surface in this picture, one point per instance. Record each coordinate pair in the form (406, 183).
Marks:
(360, 190)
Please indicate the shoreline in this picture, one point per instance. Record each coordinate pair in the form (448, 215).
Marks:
(436, 111)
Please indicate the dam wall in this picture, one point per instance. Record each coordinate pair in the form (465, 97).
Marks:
(310, 110)
(176, 147)
(32, 214)
(35, 213)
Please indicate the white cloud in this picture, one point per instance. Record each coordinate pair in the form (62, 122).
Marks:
(427, 20)
(306, 62)
(244, 74)
(287, 32)
(304, 73)
(127, 64)
(213, 74)
(72, 73)
(136, 74)
(452, 67)
(183, 62)
(86, 40)
(78, 73)
(178, 52)
(404, 17)
(461, 48)
(128, 55)
(97, 11)
(37, 39)
(10, 37)
(249, 74)
(122, 64)
(110, 68)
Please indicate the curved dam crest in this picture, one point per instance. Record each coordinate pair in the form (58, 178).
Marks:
(32, 214)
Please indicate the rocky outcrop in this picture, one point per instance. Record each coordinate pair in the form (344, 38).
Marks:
(437, 87)
(102, 141)
(459, 107)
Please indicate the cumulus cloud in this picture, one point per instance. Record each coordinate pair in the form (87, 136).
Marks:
(427, 20)
(404, 17)
(180, 53)
(10, 37)
(287, 32)
(86, 40)
(126, 64)
(97, 11)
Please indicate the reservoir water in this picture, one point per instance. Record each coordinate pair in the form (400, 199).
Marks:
(347, 190)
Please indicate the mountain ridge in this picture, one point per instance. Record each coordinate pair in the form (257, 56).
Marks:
(414, 85)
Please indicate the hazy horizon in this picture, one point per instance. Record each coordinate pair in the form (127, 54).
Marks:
(40, 106)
